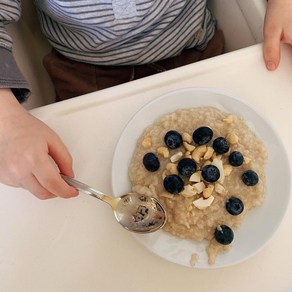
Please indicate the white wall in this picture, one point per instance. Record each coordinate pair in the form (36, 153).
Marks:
(240, 20)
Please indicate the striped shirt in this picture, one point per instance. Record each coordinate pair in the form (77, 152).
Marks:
(118, 32)
(109, 32)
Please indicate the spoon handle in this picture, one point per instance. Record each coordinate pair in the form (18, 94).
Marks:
(82, 187)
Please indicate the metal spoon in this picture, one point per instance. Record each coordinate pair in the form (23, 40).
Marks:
(137, 213)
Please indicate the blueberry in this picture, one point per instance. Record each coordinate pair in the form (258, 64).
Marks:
(173, 184)
(173, 139)
(221, 145)
(234, 206)
(202, 135)
(210, 173)
(186, 166)
(235, 158)
(250, 178)
(151, 162)
(224, 234)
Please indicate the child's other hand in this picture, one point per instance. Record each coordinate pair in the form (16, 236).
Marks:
(277, 30)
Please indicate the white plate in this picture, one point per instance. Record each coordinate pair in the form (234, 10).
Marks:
(258, 226)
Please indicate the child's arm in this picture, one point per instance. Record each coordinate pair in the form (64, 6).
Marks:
(27, 146)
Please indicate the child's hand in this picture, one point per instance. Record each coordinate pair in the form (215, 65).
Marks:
(277, 29)
(27, 147)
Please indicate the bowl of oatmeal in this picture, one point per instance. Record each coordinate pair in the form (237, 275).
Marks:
(212, 221)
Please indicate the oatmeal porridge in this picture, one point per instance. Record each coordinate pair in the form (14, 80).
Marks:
(207, 169)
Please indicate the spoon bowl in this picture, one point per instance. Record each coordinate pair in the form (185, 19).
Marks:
(135, 212)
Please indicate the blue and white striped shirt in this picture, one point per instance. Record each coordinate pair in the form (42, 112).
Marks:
(119, 32)
(115, 32)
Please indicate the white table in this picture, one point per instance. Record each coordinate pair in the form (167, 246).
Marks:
(76, 245)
